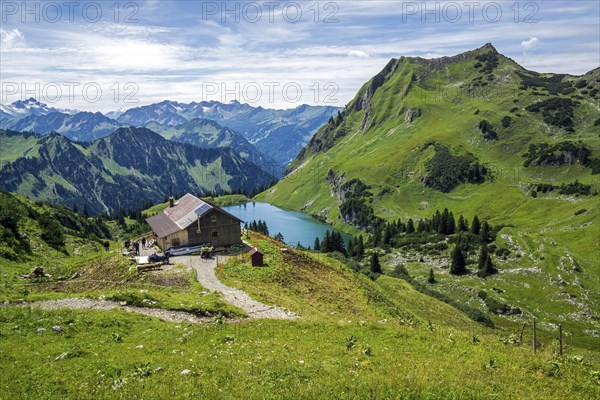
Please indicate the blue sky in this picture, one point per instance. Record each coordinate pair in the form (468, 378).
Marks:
(277, 54)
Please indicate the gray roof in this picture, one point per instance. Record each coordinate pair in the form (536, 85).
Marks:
(185, 212)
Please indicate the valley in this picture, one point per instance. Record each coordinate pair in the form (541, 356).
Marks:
(437, 237)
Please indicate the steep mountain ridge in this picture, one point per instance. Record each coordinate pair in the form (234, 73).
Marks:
(480, 135)
(82, 126)
(205, 133)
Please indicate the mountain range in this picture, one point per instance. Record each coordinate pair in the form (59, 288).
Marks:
(120, 171)
(277, 134)
(21, 108)
(81, 126)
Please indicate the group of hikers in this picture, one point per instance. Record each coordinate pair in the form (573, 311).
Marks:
(136, 245)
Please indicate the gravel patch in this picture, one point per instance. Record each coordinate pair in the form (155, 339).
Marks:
(89, 304)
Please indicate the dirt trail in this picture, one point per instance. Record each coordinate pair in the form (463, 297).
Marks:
(205, 272)
(89, 304)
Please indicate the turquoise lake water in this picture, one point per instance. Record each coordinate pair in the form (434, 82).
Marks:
(296, 227)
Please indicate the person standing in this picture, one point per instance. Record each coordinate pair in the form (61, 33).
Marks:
(137, 248)
(143, 243)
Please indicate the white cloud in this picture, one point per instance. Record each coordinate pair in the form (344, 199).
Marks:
(130, 30)
(358, 54)
(171, 53)
(11, 38)
(530, 43)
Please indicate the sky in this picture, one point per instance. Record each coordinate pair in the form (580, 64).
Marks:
(110, 55)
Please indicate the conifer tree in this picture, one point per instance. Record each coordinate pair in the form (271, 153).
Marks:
(337, 243)
(462, 224)
(376, 238)
(458, 263)
(483, 256)
(317, 245)
(431, 278)
(359, 249)
(436, 221)
(485, 232)
(410, 226)
(375, 265)
(326, 243)
(421, 226)
(451, 224)
(387, 235)
(475, 226)
(121, 219)
(489, 266)
(485, 264)
(401, 227)
(443, 226)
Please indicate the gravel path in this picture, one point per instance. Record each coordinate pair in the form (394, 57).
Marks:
(89, 304)
(205, 272)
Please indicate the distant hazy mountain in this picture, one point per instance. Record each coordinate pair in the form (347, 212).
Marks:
(279, 133)
(21, 108)
(123, 170)
(82, 126)
(165, 112)
(115, 114)
(206, 133)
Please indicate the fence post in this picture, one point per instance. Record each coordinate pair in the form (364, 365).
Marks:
(534, 337)
(560, 339)
(521, 335)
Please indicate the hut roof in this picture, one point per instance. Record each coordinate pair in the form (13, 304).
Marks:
(254, 251)
(184, 212)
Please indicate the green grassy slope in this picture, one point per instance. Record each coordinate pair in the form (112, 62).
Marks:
(354, 338)
(121, 355)
(383, 139)
(16, 144)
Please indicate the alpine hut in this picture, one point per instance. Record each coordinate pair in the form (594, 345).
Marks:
(191, 221)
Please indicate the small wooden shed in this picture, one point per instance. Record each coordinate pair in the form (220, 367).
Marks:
(257, 257)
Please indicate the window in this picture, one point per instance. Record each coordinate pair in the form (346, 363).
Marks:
(213, 219)
(215, 233)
